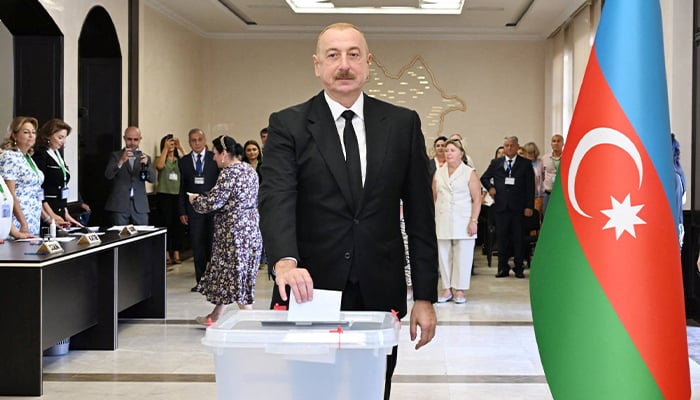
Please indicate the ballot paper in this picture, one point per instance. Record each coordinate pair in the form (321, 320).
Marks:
(325, 307)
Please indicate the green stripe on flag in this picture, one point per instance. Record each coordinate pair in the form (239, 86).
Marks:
(585, 350)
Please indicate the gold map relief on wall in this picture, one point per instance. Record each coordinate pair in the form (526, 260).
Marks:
(415, 87)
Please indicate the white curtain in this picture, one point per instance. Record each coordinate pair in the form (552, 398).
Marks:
(569, 48)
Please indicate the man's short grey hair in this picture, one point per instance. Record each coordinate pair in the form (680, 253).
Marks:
(511, 139)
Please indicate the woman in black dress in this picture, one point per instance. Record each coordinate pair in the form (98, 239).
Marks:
(48, 158)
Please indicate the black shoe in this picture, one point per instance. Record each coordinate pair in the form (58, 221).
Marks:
(520, 275)
(195, 288)
(502, 275)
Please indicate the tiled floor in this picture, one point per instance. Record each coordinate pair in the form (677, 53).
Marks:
(484, 349)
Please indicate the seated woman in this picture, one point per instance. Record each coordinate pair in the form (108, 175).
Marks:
(47, 157)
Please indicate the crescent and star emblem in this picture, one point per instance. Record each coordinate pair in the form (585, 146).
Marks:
(623, 215)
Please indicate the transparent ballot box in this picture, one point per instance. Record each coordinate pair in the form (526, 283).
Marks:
(260, 355)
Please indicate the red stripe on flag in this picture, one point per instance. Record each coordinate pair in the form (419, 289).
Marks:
(628, 235)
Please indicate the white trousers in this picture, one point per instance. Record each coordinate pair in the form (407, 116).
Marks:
(456, 257)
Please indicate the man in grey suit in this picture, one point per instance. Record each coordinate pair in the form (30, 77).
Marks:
(129, 169)
(336, 169)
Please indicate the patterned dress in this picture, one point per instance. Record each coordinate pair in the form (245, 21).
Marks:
(14, 166)
(235, 259)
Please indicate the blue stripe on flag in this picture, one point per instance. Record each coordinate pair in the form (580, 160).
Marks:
(629, 45)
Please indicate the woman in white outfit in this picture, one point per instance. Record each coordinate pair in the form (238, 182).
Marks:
(457, 196)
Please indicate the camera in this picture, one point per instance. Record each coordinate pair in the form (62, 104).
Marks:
(143, 174)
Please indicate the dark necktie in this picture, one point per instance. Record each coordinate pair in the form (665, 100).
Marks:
(352, 158)
(198, 164)
(509, 168)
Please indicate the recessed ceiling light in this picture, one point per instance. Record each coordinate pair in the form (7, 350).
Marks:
(391, 7)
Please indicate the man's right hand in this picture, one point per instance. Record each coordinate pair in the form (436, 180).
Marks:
(184, 220)
(125, 155)
(298, 279)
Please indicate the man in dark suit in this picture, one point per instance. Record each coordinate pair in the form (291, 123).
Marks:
(198, 173)
(129, 169)
(263, 137)
(510, 181)
(334, 224)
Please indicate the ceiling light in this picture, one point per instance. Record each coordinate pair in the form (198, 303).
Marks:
(423, 7)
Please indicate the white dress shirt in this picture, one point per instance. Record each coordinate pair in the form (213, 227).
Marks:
(358, 123)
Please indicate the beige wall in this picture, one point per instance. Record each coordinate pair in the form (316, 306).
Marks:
(171, 80)
(501, 82)
(231, 86)
(243, 81)
(247, 80)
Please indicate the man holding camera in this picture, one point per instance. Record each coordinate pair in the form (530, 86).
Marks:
(129, 169)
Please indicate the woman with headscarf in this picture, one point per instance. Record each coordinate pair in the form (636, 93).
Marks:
(231, 272)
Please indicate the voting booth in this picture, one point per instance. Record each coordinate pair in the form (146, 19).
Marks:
(260, 355)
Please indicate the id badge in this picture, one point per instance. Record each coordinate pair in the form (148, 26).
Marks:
(199, 180)
(172, 176)
(6, 213)
(65, 193)
(510, 180)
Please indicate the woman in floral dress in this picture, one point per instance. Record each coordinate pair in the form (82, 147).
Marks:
(232, 270)
(22, 176)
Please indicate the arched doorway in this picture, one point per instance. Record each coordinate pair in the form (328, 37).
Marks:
(99, 107)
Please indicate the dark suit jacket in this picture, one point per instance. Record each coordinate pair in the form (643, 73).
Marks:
(210, 171)
(432, 167)
(125, 178)
(53, 179)
(307, 210)
(515, 197)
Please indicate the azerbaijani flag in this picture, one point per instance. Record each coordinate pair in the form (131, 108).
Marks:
(606, 287)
